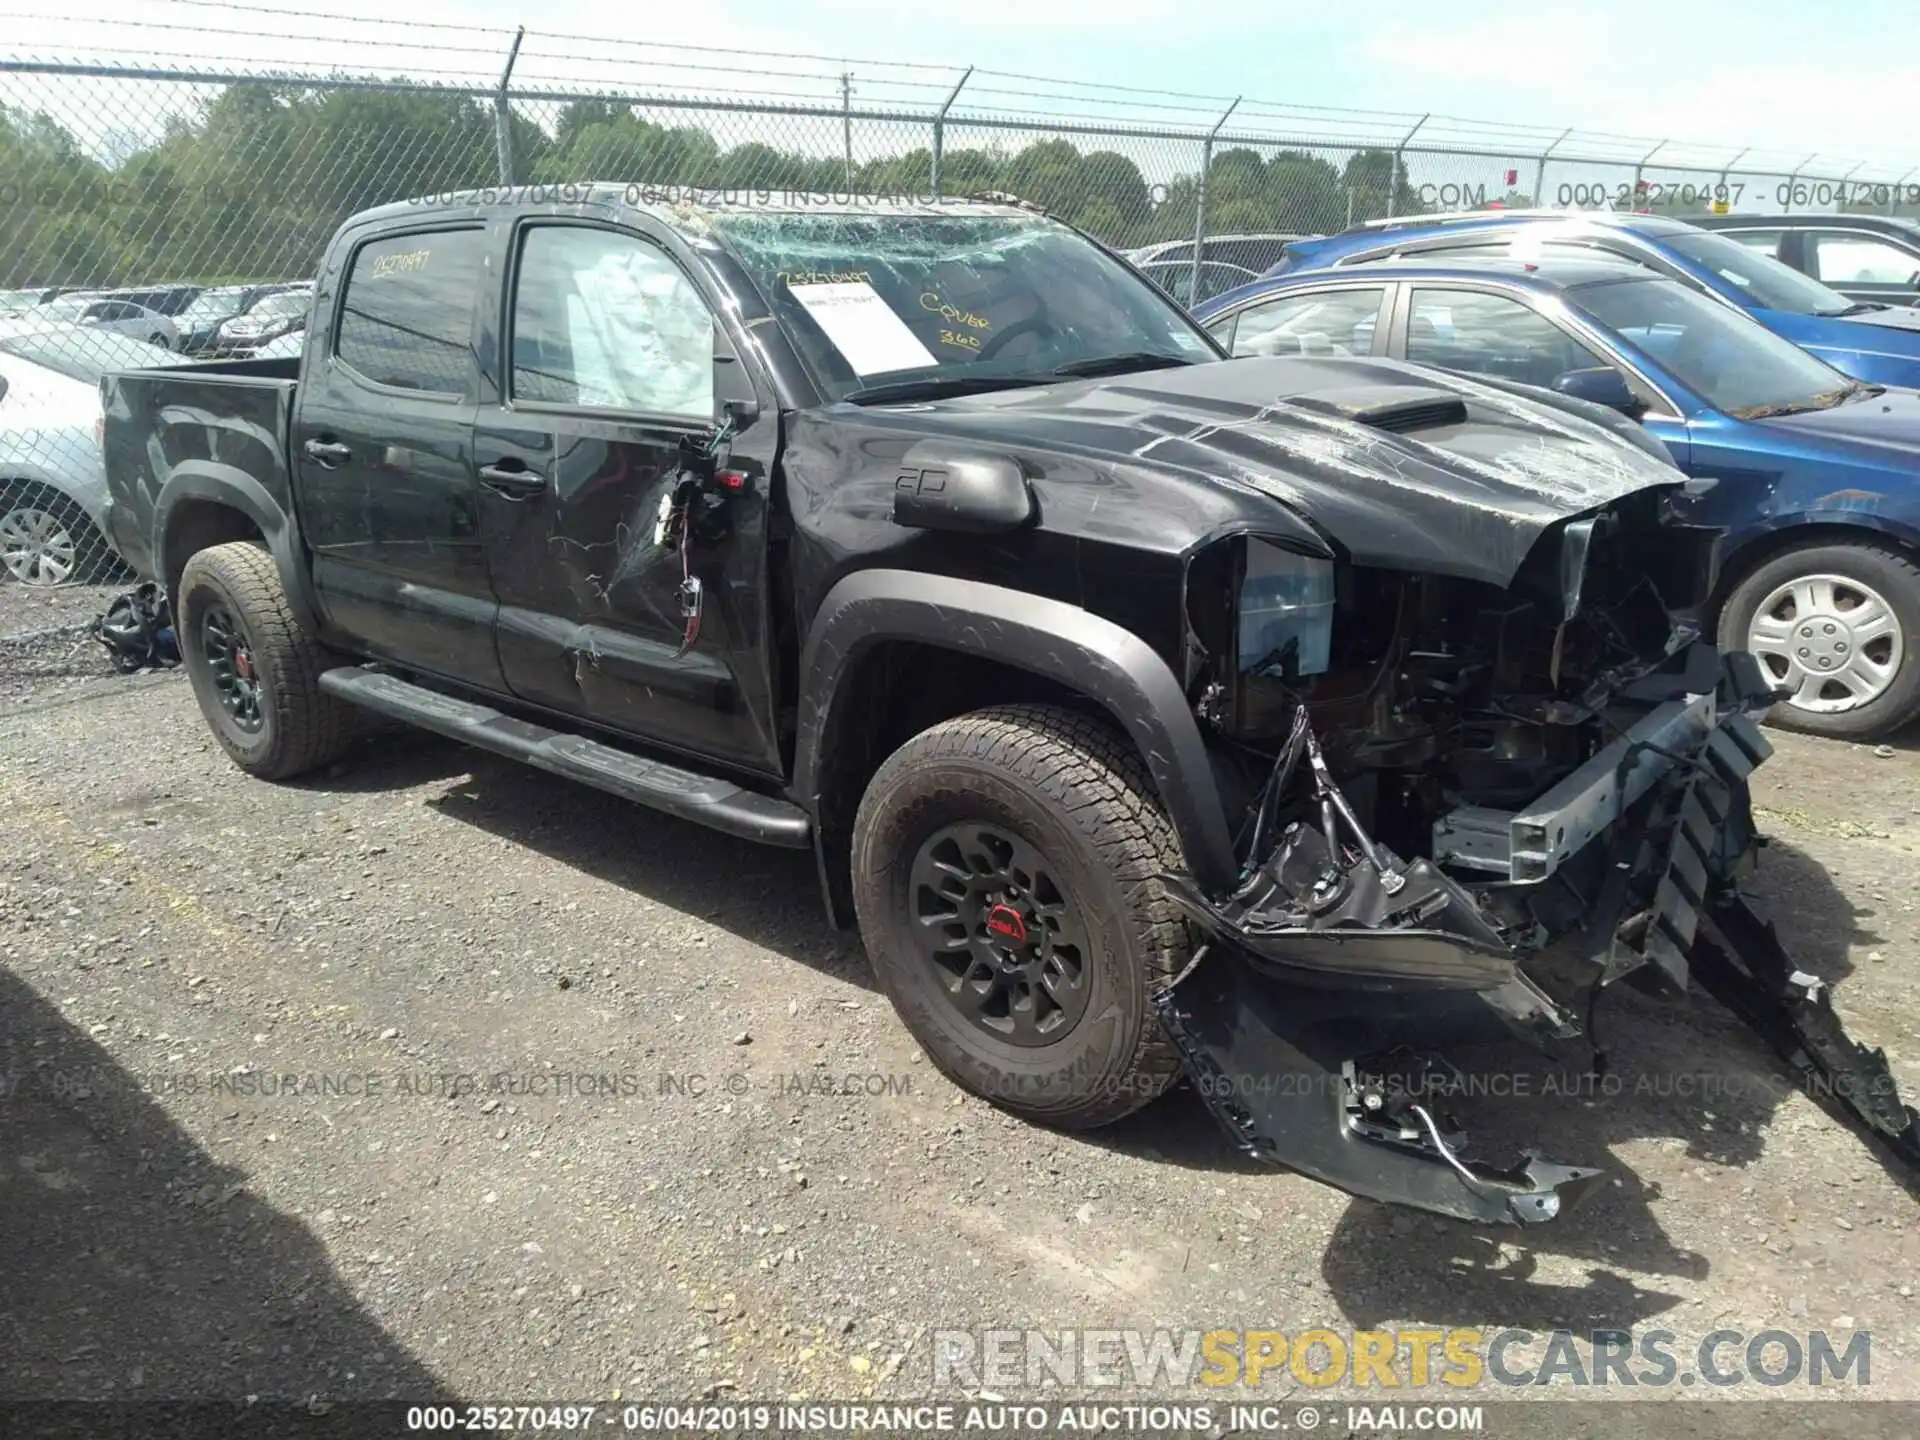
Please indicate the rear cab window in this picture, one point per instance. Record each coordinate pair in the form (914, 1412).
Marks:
(406, 317)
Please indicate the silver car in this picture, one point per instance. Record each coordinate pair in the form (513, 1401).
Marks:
(53, 493)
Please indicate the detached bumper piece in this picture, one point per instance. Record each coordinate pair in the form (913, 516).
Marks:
(1739, 961)
(1274, 1065)
(1335, 963)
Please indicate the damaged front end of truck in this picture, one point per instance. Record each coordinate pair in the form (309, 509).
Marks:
(1468, 807)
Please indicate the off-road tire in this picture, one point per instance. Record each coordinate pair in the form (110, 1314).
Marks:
(303, 728)
(1889, 571)
(1072, 787)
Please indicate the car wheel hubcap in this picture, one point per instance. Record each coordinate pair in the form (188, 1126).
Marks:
(36, 547)
(1832, 641)
(230, 660)
(1003, 941)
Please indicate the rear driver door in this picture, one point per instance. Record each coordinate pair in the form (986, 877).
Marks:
(382, 440)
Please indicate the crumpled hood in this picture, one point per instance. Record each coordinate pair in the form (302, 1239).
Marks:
(1466, 498)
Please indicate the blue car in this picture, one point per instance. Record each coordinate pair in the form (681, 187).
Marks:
(1874, 342)
(1817, 475)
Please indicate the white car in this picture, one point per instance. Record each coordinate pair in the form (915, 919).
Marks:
(116, 317)
(281, 313)
(53, 489)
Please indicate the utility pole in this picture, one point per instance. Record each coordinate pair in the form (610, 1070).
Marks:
(940, 129)
(1200, 201)
(1725, 189)
(846, 119)
(1540, 170)
(1786, 196)
(503, 113)
(1639, 172)
(1395, 171)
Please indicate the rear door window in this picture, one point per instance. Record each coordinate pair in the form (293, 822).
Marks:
(1325, 322)
(406, 320)
(1854, 259)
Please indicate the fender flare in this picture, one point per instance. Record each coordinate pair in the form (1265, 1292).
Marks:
(232, 487)
(1775, 528)
(1111, 666)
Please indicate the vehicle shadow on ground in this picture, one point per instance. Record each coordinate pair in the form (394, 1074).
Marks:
(765, 896)
(137, 1268)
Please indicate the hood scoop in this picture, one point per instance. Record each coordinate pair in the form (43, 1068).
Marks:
(1399, 409)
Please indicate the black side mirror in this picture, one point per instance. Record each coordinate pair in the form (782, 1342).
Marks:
(1602, 385)
(970, 494)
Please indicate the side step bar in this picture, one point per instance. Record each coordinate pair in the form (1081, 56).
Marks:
(704, 799)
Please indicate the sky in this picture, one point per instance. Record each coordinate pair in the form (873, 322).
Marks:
(1780, 76)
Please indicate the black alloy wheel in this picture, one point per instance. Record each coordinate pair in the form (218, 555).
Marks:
(229, 657)
(1003, 938)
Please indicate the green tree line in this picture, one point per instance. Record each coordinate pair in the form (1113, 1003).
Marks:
(252, 184)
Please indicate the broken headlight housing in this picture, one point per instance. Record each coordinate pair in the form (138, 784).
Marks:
(1284, 612)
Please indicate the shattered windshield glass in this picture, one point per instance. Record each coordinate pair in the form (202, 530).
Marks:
(899, 298)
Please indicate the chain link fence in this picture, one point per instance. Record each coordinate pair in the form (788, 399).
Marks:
(157, 207)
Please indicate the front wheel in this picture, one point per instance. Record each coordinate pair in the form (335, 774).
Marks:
(1838, 626)
(255, 670)
(1006, 873)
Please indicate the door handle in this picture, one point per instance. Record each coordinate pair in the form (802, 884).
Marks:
(515, 483)
(327, 452)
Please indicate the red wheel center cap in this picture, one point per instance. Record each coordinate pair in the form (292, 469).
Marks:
(1005, 921)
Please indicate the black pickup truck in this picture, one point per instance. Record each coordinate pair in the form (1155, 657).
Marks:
(1285, 721)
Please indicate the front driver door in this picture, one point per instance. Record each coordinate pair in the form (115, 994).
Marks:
(607, 370)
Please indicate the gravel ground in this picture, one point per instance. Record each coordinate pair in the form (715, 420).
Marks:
(44, 648)
(188, 956)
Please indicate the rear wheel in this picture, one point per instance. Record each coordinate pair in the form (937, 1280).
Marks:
(255, 671)
(47, 539)
(1838, 625)
(1006, 873)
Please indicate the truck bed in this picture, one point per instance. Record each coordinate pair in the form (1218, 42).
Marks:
(167, 426)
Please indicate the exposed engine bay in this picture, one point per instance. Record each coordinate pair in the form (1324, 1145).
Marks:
(1464, 810)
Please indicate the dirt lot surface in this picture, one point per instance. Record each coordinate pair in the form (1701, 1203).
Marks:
(434, 1077)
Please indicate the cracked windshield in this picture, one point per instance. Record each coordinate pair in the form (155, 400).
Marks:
(906, 305)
